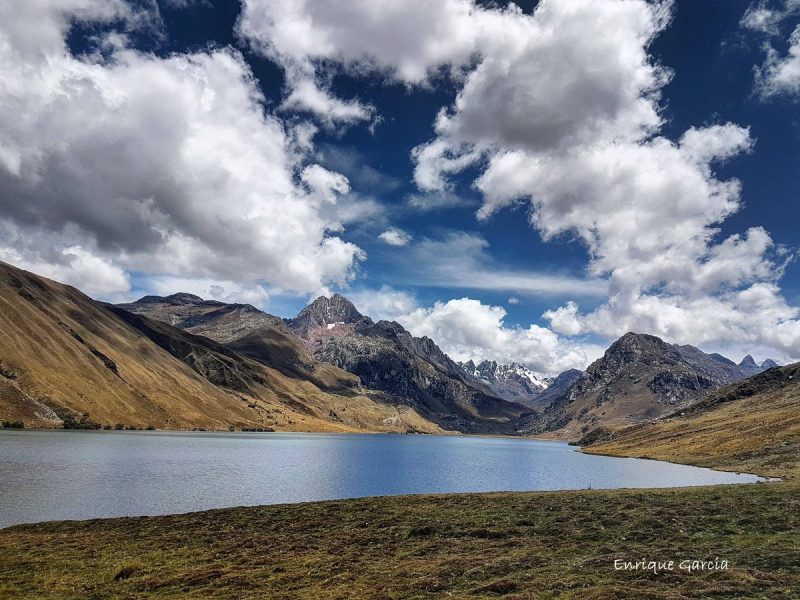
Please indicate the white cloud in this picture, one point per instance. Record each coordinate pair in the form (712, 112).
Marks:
(513, 300)
(395, 237)
(432, 201)
(468, 329)
(185, 176)
(462, 260)
(780, 73)
(305, 95)
(75, 266)
(561, 109)
(764, 17)
(386, 303)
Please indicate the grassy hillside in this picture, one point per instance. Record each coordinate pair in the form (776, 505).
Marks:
(752, 426)
(65, 358)
(538, 545)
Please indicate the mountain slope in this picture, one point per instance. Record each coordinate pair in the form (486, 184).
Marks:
(752, 425)
(67, 360)
(386, 357)
(639, 378)
(245, 330)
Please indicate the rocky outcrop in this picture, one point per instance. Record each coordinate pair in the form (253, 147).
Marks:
(557, 387)
(752, 425)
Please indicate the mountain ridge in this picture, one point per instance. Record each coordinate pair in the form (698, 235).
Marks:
(639, 377)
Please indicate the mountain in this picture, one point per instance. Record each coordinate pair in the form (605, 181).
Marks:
(639, 378)
(216, 320)
(513, 382)
(332, 345)
(751, 425)
(246, 330)
(326, 314)
(749, 366)
(412, 370)
(69, 361)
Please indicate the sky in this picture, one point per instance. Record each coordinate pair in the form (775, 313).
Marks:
(520, 182)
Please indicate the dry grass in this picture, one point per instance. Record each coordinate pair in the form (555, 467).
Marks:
(757, 434)
(57, 347)
(536, 545)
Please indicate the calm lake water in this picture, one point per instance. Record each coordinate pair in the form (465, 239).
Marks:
(47, 475)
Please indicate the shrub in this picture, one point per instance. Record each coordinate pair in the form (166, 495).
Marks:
(82, 422)
(128, 570)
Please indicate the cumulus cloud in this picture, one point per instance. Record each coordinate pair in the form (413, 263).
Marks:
(582, 146)
(467, 329)
(74, 266)
(395, 237)
(386, 303)
(780, 72)
(561, 109)
(188, 175)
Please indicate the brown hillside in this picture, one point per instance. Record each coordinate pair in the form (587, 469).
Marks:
(65, 357)
(752, 425)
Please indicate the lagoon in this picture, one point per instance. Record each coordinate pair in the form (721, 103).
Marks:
(53, 475)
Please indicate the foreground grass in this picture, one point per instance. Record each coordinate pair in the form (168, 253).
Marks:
(535, 545)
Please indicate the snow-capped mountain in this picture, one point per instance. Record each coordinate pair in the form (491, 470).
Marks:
(513, 382)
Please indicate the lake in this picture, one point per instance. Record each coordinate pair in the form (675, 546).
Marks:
(49, 475)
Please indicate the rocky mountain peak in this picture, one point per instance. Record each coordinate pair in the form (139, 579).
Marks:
(634, 348)
(748, 362)
(769, 364)
(329, 311)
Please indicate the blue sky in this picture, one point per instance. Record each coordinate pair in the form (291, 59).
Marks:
(189, 189)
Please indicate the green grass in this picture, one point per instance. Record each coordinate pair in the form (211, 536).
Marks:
(530, 545)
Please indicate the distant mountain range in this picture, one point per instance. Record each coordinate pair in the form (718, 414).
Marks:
(182, 362)
(514, 382)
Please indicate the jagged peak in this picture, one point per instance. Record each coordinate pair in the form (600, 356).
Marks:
(328, 310)
(633, 344)
(748, 362)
